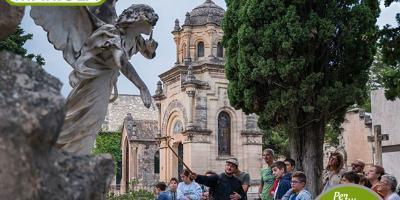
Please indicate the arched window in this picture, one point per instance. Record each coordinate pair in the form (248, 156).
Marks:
(200, 49)
(220, 50)
(224, 134)
(178, 127)
(157, 162)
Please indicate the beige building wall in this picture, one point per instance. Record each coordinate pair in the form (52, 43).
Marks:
(387, 114)
(194, 92)
(355, 133)
(202, 155)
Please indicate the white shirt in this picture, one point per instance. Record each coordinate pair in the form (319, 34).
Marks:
(394, 196)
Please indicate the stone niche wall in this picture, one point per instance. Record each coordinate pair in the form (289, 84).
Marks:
(146, 164)
(125, 104)
(31, 115)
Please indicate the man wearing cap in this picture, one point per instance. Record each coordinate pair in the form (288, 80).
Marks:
(244, 177)
(225, 185)
(357, 166)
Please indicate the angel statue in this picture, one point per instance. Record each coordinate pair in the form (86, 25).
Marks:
(98, 45)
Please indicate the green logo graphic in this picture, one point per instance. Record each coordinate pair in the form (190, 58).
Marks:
(349, 192)
(55, 2)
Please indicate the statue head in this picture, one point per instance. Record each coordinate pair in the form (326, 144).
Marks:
(138, 16)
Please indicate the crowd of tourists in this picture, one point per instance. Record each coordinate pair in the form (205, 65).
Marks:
(279, 181)
(374, 178)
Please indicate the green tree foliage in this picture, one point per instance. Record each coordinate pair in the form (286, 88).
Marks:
(390, 44)
(277, 140)
(300, 64)
(109, 142)
(133, 193)
(15, 42)
(332, 135)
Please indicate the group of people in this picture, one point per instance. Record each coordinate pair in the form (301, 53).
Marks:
(233, 184)
(279, 181)
(374, 178)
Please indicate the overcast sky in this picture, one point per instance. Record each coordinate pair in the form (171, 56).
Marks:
(168, 11)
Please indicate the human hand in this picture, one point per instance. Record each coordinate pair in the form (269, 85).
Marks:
(151, 45)
(205, 196)
(193, 175)
(235, 196)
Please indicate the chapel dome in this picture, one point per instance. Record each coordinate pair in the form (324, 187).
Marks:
(208, 12)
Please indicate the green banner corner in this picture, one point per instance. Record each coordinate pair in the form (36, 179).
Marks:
(54, 3)
(349, 192)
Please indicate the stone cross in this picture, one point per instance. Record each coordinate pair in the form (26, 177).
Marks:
(377, 138)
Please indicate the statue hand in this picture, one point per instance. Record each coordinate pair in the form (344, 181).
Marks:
(146, 96)
(151, 45)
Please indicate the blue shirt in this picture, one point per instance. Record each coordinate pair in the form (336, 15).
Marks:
(163, 196)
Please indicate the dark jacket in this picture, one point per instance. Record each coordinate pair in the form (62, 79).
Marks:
(163, 196)
(221, 186)
(284, 186)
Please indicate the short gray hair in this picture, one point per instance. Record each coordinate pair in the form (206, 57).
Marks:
(392, 181)
(270, 151)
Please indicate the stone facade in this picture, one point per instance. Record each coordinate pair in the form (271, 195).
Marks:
(32, 111)
(139, 128)
(387, 114)
(139, 153)
(193, 112)
(194, 108)
(355, 131)
(125, 104)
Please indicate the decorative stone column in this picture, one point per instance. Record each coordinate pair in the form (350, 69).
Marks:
(191, 91)
(158, 97)
(188, 58)
(211, 32)
(161, 138)
(187, 32)
(176, 34)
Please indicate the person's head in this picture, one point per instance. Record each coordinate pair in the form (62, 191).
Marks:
(185, 175)
(278, 169)
(173, 184)
(335, 162)
(350, 177)
(375, 172)
(358, 166)
(298, 182)
(210, 173)
(231, 166)
(387, 184)
(268, 155)
(160, 186)
(290, 164)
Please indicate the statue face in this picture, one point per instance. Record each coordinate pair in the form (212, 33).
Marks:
(138, 15)
(143, 27)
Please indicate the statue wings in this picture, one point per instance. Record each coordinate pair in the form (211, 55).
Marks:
(68, 27)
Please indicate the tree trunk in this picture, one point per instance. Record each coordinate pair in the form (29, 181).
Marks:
(306, 148)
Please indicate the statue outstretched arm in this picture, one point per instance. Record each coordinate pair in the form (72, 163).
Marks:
(130, 73)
